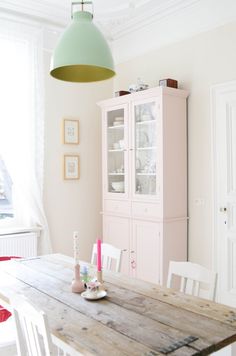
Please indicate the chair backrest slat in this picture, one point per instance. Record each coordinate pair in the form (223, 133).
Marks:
(110, 255)
(193, 276)
(33, 335)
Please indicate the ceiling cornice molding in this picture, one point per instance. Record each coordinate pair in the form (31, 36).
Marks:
(114, 21)
(42, 11)
(202, 16)
(152, 11)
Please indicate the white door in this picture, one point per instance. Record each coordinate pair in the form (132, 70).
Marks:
(224, 152)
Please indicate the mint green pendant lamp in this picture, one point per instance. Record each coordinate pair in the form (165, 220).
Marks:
(82, 53)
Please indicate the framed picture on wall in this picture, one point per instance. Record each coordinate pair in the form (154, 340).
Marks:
(71, 166)
(71, 131)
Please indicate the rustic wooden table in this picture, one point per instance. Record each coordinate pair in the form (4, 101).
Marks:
(136, 317)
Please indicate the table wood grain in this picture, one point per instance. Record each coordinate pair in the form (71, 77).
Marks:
(136, 317)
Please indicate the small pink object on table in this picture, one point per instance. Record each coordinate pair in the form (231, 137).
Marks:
(99, 256)
(77, 285)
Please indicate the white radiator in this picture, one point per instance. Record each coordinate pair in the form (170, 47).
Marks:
(22, 244)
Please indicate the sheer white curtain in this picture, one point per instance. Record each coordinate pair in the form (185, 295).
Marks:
(22, 123)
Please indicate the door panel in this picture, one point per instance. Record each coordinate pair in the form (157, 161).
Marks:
(145, 147)
(145, 251)
(115, 152)
(116, 231)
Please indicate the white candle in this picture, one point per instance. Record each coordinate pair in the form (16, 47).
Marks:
(76, 247)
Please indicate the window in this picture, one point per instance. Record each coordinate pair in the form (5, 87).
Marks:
(21, 128)
(16, 121)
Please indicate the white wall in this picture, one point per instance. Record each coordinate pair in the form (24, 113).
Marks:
(73, 205)
(197, 63)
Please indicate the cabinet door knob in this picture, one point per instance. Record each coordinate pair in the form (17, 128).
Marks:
(124, 250)
(132, 251)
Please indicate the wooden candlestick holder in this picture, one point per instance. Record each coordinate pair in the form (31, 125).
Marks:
(100, 280)
(77, 286)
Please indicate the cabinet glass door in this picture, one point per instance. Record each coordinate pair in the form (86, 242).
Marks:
(116, 152)
(145, 148)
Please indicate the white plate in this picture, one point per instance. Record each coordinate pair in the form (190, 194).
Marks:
(101, 294)
(118, 190)
(118, 123)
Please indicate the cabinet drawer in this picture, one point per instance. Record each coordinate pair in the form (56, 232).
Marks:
(146, 210)
(119, 207)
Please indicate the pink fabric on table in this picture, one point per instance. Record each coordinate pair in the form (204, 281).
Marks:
(4, 313)
(6, 258)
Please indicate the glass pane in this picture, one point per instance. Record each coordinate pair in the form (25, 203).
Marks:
(115, 151)
(145, 148)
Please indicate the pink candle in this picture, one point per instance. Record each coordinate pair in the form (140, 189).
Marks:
(99, 256)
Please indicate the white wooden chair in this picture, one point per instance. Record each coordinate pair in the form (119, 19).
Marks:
(33, 336)
(7, 326)
(111, 257)
(193, 278)
(8, 338)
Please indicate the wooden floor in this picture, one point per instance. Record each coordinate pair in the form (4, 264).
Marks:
(136, 318)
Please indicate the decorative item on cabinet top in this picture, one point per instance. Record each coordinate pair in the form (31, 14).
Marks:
(138, 86)
(172, 83)
(122, 92)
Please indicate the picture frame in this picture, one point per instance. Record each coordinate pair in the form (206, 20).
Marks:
(71, 167)
(71, 131)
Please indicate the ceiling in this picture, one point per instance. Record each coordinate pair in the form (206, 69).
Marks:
(114, 17)
(147, 24)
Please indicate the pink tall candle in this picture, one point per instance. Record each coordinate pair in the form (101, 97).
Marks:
(99, 256)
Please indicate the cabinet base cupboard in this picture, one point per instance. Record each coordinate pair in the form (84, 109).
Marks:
(144, 148)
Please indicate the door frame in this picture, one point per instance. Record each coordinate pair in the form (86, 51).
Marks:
(216, 92)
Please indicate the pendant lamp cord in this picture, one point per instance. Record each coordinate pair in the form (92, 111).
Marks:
(82, 3)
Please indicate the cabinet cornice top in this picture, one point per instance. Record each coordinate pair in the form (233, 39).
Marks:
(157, 91)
